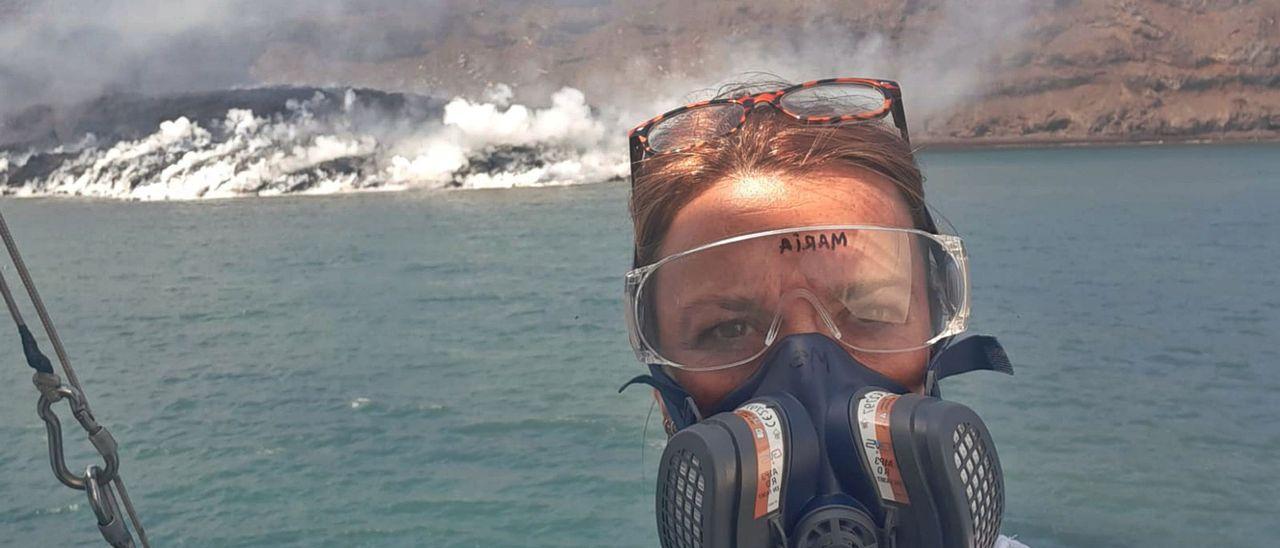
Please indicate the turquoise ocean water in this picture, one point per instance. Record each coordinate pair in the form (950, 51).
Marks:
(439, 368)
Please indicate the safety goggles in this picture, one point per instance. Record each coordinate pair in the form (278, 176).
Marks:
(874, 289)
(829, 101)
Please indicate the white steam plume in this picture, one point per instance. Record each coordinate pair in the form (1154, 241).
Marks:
(56, 51)
(473, 145)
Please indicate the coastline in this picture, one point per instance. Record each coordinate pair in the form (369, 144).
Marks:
(1002, 143)
(18, 188)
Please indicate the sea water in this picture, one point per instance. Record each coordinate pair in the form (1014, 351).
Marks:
(440, 368)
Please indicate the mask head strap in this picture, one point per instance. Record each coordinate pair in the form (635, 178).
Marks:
(678, 405)
(962, 354)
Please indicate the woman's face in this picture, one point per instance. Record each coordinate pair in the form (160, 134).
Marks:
(743, 205)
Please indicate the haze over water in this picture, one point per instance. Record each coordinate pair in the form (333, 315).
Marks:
(439, 368)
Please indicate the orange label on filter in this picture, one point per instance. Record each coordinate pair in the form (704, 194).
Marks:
(874, 411)
(766, 433)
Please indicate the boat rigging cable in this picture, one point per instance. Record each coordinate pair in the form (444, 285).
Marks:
(97, 482)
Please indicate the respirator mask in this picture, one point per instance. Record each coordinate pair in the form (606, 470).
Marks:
(815, 448)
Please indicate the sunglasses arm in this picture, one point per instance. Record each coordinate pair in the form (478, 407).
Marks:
(637, 151)
(900, 117)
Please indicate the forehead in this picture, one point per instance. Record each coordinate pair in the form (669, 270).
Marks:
(754, 203)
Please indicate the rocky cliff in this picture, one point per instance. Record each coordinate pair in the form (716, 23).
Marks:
(1064, 70)
(974, 72)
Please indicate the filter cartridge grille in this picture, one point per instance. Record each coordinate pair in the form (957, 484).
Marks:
(683, 488)
(836, 527)
(983, 487)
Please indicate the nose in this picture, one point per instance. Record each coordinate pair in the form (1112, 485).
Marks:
(800, 311)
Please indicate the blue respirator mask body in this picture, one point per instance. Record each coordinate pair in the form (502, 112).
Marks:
(818, 450)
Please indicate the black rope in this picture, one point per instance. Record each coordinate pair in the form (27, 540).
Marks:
(35, 358)
(39, 305)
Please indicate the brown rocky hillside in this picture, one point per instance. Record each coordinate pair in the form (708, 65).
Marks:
(973, 71)
(1064, 70)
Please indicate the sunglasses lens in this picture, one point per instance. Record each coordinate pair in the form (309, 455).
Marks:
(835, 99)
(694, 126)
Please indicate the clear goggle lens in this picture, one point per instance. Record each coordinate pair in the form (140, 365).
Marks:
(873, 289)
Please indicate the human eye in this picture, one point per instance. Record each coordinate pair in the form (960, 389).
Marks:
(876, 303)
(865, 320)
(727, 333)
(733, 329)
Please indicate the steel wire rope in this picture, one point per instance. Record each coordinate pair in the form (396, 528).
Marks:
(58, 349)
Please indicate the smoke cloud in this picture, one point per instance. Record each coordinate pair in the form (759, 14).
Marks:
(63, 51)
(526, 95)
(949, 57)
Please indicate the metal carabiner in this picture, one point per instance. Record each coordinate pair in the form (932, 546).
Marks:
(102, 498)
(97, 481)
(51, 391)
